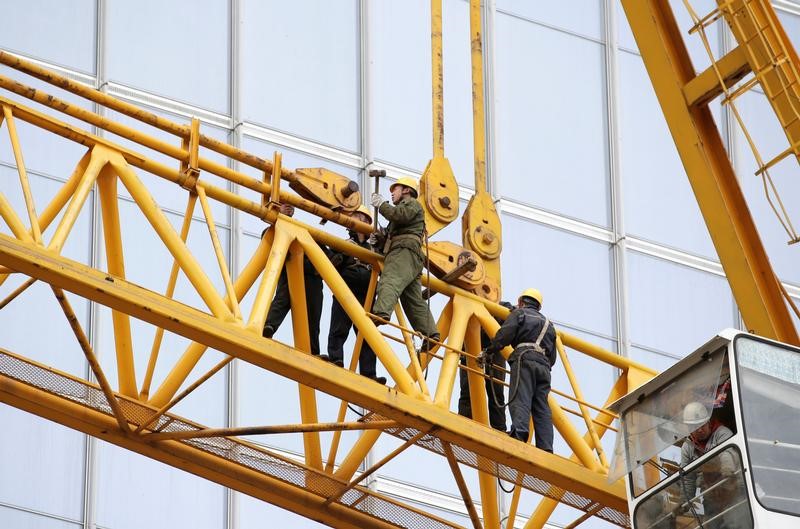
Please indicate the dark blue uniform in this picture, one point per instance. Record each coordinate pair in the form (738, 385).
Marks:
(357, 275)
(530, 371)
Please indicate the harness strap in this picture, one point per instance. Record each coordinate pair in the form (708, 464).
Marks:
(537, 345)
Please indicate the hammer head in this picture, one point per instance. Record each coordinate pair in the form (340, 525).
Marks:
(377, 173)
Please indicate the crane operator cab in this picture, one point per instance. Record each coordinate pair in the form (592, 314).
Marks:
(713, 442)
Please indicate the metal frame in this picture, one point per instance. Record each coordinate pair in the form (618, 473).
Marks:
(107, 162)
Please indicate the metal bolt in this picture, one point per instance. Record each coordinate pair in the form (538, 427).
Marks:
(488, 237)
(349, 189)
(444, 202)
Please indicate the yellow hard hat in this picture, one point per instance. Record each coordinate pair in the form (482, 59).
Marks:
(408, 182)
(533, 294)
(365, 211)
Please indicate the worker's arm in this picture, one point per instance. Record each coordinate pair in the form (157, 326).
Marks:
(504, 335)
(402, 213)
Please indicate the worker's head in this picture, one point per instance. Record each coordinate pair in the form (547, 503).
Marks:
(362, 214)
(696, 416)
(405, 186)
(530, 297)
(287, 209)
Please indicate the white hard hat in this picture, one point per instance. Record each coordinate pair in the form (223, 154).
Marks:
(695, 413)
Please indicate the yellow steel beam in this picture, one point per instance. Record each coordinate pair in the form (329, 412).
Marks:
(144, 393)
(732, 67)
(228, 337)
(741, 252)
(115, 259)
(76, 134)
(295, 498)
(23, 175)
(438, 186)
(302, 342)
(480, 412)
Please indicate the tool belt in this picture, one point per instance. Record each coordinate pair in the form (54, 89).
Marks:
(391, 239)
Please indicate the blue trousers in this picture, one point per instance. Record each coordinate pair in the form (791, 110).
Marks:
(530, 375)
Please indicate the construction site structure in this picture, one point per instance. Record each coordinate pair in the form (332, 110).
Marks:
(131, 392)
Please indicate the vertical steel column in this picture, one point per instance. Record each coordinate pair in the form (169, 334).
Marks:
(620, 245)
(93, 309)
(235, 241)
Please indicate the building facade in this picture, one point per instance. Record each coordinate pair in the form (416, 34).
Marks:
(596, 209)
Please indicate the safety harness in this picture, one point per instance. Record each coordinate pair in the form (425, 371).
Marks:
(537, 345)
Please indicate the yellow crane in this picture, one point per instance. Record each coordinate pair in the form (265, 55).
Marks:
(135, 410)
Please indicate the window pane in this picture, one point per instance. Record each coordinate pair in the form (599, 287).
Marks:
(658, 200)
(52, 30)
(253, 513)
(573, 268)
(400, 79)
(674, 308)
(552, 141)
(720, 499)
(178, 49)
(595, 380)
(173, 498)
(27, 520)
(763, 126)
(314, 46)
(657, 361)
(42, 467)
(582, 16)
(57, 347)
(770, 387)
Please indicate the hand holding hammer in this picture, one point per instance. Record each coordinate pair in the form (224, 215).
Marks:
(377, 199)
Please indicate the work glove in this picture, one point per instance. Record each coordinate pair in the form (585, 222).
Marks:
(376, 200)
(482, 358)
(372, 240)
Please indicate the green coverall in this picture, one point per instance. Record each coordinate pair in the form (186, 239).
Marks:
(402, 266)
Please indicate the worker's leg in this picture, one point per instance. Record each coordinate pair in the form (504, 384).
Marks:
(313, 309)
(415, 307)
(279, 307)
(464, 402)
(496, 397)
(338, 331)
(542, 418)
(366, 359)
(417, 311)
(394, 279)
(523, 386)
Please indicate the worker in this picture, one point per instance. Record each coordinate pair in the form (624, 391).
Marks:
(401, 244)
(719, 479)
(494, 367)
(281, 303)
(533, 338)
(356, 274)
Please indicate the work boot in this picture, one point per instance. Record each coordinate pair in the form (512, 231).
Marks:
(327, 358)
(268, 331)
(379, 380)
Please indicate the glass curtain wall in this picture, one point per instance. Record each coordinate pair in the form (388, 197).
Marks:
(584, 171)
